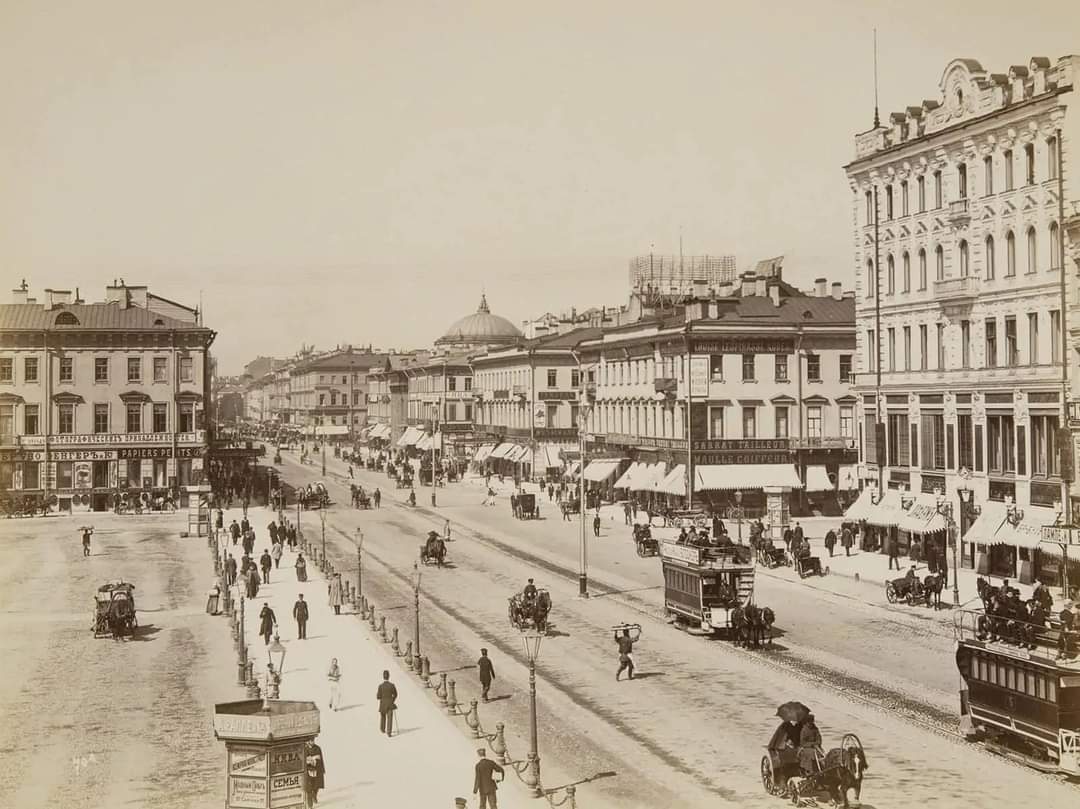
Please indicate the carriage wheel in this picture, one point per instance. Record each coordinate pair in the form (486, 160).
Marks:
(890, 593)
(768, 777)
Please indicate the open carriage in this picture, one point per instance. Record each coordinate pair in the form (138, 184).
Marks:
(114, 610)
(644, 542)
(314, 496)
(433, 551)
(533, 613)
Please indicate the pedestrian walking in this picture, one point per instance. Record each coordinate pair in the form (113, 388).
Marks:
(230, 570)
(252, 583)
(273, 530)
(788, 536)
(376, 497)
(830, 541)
(387, 697)
(86, 532)
(334, 676)
(300, 613)
(846, 540)
(798, 535)
(275, 554)
(484, 784)
(316, 772)
(267, 622)
(266, 562)
(245, 526)
(333, 590)
(596, 524)
(350, 471)
(219, 520)
(626, 654)
(487, 673)
(234, 531)
(893, 552)
(292, 536)
(249, 542)
(301, 568)
(626, 514)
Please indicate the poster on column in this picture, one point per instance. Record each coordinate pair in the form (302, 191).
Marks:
(699, 376)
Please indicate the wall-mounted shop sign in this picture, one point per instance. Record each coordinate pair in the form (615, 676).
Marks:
(556, 395)
(719, 458)
(744, 345)
(741, 444)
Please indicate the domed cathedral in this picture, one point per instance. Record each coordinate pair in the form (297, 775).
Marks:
(478, 331)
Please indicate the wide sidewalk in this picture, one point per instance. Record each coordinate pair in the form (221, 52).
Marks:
(363, 767)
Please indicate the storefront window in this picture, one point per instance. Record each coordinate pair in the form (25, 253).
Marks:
(64, 478)
(160, 467)
(31, 475)
(7, 475)
(134, 474)
(183, 472)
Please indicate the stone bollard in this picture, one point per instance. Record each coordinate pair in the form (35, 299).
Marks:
(418, 664)
(451, 697)
(571, 801)
(382, 629)
(440, 689)
(472, 719)
(425, 672)
(498, 744)
(408, 655)
(394, 643)
(371, 616)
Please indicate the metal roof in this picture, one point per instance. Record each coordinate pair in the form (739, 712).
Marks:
(35, 317)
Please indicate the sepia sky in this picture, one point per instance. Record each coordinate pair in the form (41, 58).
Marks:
(332, 172)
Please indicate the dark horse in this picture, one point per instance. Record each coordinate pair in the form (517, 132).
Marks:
(533, 612)
(932, 587)
(842, 771)
(434, 550)
(121, 617)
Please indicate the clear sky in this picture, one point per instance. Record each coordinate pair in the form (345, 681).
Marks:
(332, 172)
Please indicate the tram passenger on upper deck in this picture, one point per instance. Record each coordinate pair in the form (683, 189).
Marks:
(1067, 638)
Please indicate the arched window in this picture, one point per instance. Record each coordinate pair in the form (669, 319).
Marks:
(907, 272)
(922, 268)
(890, 275)
(1010, 254)
(964, 258)
(1055, 247)
(939, 263)
(991, 270)
(1032, 251)
(870, 281)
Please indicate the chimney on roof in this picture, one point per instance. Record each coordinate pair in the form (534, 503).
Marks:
(821, 287)
(759, 286)
(20, 294)
(726, 288)
(837, 290)
(774, 293)
(748, 284)
(54, 298)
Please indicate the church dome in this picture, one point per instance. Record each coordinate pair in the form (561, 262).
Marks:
(480, 328)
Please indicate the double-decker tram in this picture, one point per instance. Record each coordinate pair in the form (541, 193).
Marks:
(1023, 697)
(704, 583)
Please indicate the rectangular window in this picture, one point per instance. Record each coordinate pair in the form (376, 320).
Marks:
(451, 383)
(963, 430)
(978, 447)
(1051, 159)
(1055, 336)
(870, 446)
(186, 370)
(1012, 348)
(847, 421)
(933, 440)
(988, 175)
(67, 369)
(65, 421)
(186, 416)
(30, 421)
(990, 328)
(904, 198)
(1008, 170)
(924, 348)
(161, 417)
(160, 470)
(31, 475)
(160, 372)
(950, 443)
(575, 378)
(7, 422)
(813, 367)
(468, 383)
(716, 367)
(65, 478)
(898, 431)
(1001, 444)
(1021, 449)
(134, 369)
(871, 350)
(1033, 338)
(134, 418)
(468, 412)
(813, 422)
(1029, 164)
(30, 369)
(1044, 451)
(965, 343)
(134, 474)
(938, 190)
(940, 346)
(921, 192)
(845, 368)
(922, 269)
(748, 367)
(781, 367)
(552, 378)
(716, 422)
(101, 369)
(101, 418)
(749, 422)
(961, 178)
(888, 202)
(7, 369)
(782, 421)
(907, 348)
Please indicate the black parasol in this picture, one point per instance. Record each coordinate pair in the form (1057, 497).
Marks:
(793, 712)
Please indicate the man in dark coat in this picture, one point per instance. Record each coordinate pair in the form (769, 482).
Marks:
(596, 524)
(300, 613)
(316, 772)
(252, 582)
(847, 540)
(797, 536)
(234, 531)
(788, 536)
(387, 697)
(809, 745)
(376, 497)
(244, 525)
(273, 529)
(830, 541)
(266, 562)
(267, 622)
(484, 784)
(487, 673)
(230, 569)
(249, 542)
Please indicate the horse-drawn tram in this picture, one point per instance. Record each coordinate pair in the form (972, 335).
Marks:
(1023, 693)
(704, 583)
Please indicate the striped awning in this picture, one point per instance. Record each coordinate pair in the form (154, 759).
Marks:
(597, 471)
(1028, 531)
(922, 517)
(572, 470)
(501, 450)
(483, 452)
(728, 477)
(674, 482)
(817, 479)
(547, 457)
(518, 454)
(626, 480)
(410, 437)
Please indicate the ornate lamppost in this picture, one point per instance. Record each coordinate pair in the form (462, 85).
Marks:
(531, 641)
(416, 613)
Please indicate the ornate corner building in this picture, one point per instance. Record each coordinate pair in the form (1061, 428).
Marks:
(964, 214)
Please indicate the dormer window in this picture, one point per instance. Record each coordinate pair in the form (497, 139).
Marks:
(66, 319)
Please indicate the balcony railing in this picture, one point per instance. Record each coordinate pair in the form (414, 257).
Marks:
(825, 442)
(959, 213)
(957, 290)
(9, 440)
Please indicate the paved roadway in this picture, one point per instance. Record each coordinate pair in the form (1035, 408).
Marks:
(690, 731)
(91, 722)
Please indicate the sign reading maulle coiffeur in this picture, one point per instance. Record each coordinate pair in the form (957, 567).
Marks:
(265, 751)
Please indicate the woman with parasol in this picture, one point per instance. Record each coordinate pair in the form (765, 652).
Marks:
(785, 740)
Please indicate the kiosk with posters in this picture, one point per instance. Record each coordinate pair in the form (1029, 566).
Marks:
(264, 750)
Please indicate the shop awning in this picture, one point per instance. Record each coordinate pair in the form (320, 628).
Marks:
(518, 454)
(817, 480)
(409, 437)
(483, 452)
(379, 431)
(727, 477)
(674, 482)
(424, 443)
(332, 429)
(627, 479)
(597, 471)
(652, 475)
(1027, 532)
(888, 512)
(572, 470)
(547, 457)
(861, 508)
(501, 450)
(847, 479)
(922, 517)
(986, 525)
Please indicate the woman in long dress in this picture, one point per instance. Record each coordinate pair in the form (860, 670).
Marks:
(301, 568)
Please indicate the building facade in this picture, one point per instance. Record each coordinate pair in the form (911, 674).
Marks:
(103, 400)
(962, 298)
(328, 395)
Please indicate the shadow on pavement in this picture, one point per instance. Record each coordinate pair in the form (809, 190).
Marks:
(647, 674)
(500, 697)
(145, 632)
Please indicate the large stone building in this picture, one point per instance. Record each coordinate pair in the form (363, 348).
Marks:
(99, 400)
(328, 395)
(961, 287)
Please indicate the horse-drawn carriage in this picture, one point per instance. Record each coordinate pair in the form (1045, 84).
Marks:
(530, 613)
(912, 590)
(571, 505)
(791, 769)
(114, 609)
(768, 554)
(524, 506)
(806, 563)
(314, 496)
(433, 551)
(404, 480)
(644, 542)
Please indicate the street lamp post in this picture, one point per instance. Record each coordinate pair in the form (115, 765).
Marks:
(359, 563)
(416, 613)
(324, 456)
(945, 509)
(322, 519)
(275, 656)
(739, 511)
(531, 641)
